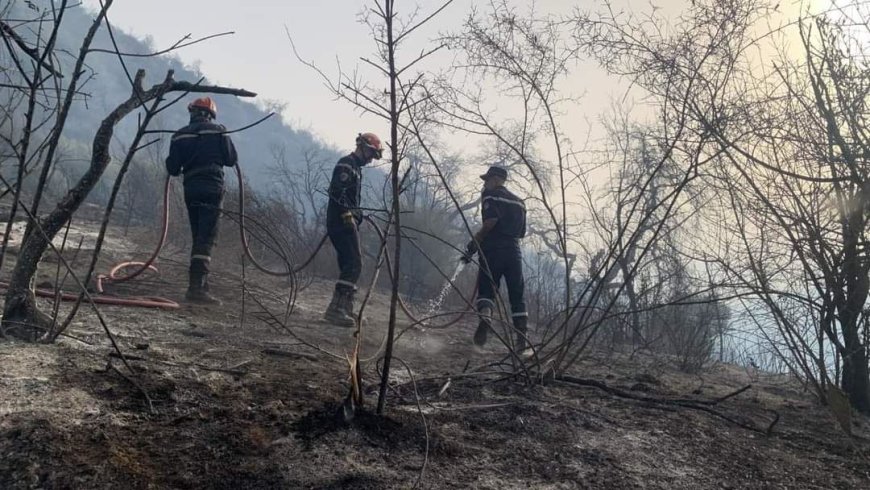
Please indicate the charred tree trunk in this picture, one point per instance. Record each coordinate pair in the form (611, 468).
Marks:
(856, 376)
(396, 204)
(856, 373)
(21, 316)
(631, 292)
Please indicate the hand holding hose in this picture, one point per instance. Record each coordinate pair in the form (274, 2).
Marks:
(349, 220)
(470, 250)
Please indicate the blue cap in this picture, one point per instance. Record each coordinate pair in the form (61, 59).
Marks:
(495, 171)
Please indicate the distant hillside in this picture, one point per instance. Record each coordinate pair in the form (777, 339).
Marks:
(110, 86)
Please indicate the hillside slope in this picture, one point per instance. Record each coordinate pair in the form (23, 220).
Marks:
(233, 403)
(108, 85)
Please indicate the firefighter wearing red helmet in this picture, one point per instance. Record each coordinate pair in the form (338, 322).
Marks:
(343, 216)
(199, 152)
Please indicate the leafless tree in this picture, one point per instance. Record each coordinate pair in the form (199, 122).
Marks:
(301, 182)
(34, 85)
(788, 158)
(22, 317)
(143, 182)
(524, 56)
(391, 103)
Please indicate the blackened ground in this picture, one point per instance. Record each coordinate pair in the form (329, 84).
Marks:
(235, 403)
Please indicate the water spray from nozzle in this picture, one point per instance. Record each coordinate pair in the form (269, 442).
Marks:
(435, 303)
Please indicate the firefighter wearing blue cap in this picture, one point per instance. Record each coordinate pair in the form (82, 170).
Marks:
(498, 241)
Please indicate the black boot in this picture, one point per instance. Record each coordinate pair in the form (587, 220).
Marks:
(347, 303)
(521, 346)
(483, 326)
(197, 289)
(336, 313)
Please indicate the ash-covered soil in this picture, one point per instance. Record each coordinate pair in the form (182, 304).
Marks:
(233, 402)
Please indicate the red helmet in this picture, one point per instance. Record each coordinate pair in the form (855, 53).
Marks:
(372, 142)
(204, 103)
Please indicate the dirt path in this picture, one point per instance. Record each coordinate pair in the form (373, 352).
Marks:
(237, 404)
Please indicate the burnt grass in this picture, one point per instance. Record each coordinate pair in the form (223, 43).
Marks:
(222, 413)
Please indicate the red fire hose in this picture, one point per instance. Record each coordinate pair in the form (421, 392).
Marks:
(244, 238)
(159, 302)
(138, 301)
(153, 302)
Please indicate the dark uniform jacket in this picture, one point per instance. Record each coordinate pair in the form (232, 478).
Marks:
(200, 150)
(511, 213)
(345, 190)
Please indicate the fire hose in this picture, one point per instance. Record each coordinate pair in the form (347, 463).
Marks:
(138, 301)
(157, 302)
(154, 302)
(114, 274)
(245, 245)
(247, 248)
(402, 305)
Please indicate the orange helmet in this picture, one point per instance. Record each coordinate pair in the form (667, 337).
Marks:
(204, 103)
(372, 142)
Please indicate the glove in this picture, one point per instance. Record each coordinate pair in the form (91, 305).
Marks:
(470, 250)
(348, 220)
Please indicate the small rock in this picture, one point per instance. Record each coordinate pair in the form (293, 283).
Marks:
(640, 387)
(274, 408)
(282, 441)
(648, 379)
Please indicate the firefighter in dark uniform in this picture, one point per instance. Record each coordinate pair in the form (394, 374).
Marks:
(498, 240)
(343, 217)
(200, 151)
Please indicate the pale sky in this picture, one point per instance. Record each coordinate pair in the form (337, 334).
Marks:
(258, 56)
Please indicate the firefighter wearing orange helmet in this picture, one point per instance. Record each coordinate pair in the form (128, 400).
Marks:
(343, 217)
(199, 152)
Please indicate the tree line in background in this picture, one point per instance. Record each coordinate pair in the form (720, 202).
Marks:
(729, 225)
